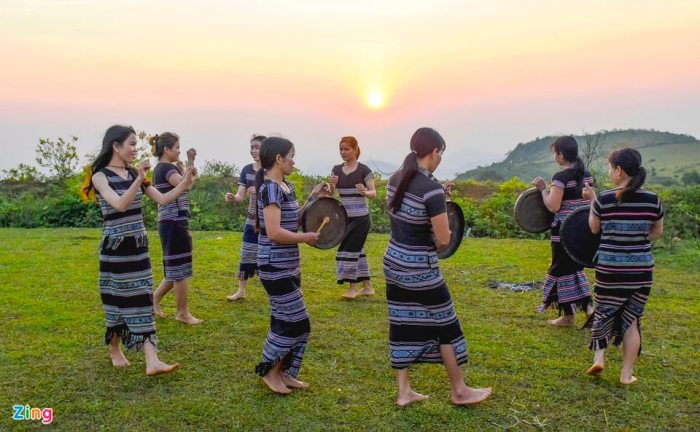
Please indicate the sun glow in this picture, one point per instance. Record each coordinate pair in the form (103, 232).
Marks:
(375, 99)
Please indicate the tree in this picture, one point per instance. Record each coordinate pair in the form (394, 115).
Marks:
(591, 149)
(691, 178)
(215, 168)
(143, 147)
(60, 156)
(23, 173)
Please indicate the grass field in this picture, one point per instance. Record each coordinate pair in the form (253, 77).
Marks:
(51, 351)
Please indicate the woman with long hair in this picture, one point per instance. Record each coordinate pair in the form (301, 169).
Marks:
(277, 220)
(173, 226)
(628, 219)
(354, 182)
(248, 266)
(423, 324)
(566, 286)
(126, 279)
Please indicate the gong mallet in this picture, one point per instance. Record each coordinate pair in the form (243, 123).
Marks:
(325, 221)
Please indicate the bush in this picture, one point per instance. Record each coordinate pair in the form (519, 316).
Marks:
(209, 210)
(682, 218)
(488, 207)
(691, 178)
(493, 215)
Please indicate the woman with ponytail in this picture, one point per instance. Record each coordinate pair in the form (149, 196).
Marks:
(354, 182)
(126, 279)
(566, 286)
(173, 226)
(248, 266)
(628, 218)
(276, 220)
(423, 325)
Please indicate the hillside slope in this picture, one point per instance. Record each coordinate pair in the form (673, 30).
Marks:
(667, 156)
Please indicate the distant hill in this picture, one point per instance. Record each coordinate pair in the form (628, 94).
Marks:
(450, 166)
(667, 156)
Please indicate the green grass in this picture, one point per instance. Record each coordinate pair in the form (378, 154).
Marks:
(671, 159)
(51, 351)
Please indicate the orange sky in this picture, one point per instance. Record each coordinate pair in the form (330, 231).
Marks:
(485, 74)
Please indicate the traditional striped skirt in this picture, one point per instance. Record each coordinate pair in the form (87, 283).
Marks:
(419, 322)
(565, 286)
(289, 322)
(615, 311)
(176, 242)
(350, 260)
(249, 253)
(126, 286)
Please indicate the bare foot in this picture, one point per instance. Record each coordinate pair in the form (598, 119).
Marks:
(471, 396)
(368, 291)
(161, 368)
(118, 359)
(294, 383)
(410, 397)
(156, 310)
(596, 369)
(351, 293)
(563, 321)
(590, 310)
(237, 296)
(631, 379)
(275, 383)
(188, 319)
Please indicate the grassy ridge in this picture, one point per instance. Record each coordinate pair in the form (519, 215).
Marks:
(671, 155)
(52, 354)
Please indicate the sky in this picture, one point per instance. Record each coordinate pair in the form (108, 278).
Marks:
(486, 74)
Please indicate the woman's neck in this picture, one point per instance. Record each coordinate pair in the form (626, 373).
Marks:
(623, 183)
(351, 163)
(567, 165)
(256, 165)
(275, 174)
(116, 162)
(423, 163)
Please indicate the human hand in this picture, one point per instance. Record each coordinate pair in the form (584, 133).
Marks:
(310, 238)
(321, 189)
(539, 183)
(333, 181)
(588, 192)
(190, 177)
(191, 155)
(448, 186)
(142, 169)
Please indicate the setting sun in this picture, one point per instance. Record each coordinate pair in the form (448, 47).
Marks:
(375, 99)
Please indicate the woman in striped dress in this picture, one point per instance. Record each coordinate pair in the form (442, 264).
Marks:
(566, 286)
(248, 266)
(423, 324)
(126, 279)
(277, 219)
(173, 227)
(354, 182)
(628, 218)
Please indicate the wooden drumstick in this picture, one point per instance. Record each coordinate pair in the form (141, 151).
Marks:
(325, 221)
